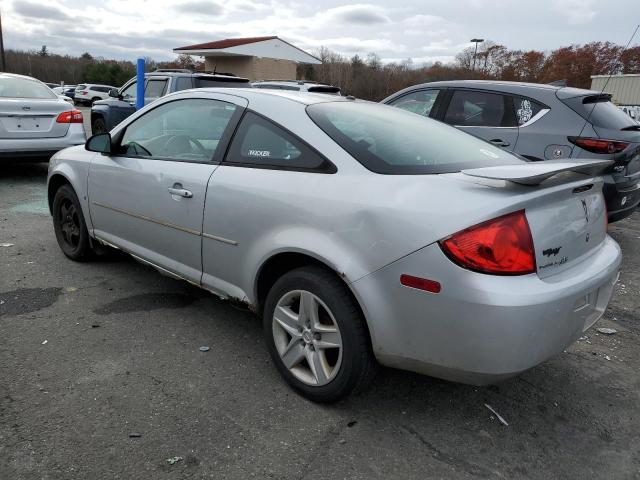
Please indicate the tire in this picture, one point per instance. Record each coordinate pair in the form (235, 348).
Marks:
(340, 371)
(99, 126)
(69, 225)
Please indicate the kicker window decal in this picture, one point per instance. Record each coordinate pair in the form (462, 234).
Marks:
(259, 153)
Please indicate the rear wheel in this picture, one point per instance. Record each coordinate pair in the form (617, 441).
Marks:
(316, 335)
(99, 126)
(69, 225)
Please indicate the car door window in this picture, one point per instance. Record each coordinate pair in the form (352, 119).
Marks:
(187, 130)
(526, 109)
(183, 83)
(155, 88)
(262, 143)
(130, 92)
(481, 109)
(420, 102)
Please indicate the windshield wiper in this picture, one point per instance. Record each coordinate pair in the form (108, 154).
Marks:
(631, 128)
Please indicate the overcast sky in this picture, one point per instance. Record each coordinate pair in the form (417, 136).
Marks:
(395, 29)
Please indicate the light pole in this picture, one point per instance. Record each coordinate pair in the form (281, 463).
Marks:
(476, 41)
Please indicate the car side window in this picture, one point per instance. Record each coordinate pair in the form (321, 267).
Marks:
(183, 83)
(130, 92)
(187, 130)
(481, 109)
(526, 109)
(260, 142)
(155, 88)
(420, 102)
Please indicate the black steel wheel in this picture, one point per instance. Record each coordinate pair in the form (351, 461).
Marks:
(69, 225)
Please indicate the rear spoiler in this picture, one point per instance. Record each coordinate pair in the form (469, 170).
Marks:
(601, 97)
(534, 173)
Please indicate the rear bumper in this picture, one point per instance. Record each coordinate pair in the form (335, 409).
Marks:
(481, 328)
(42, 147)
(621, 201)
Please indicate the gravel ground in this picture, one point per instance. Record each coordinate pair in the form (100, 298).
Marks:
(101, 377)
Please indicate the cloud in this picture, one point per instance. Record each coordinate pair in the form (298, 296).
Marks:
(360, 14)
(37, 10)
(200, 7)
(578, 12)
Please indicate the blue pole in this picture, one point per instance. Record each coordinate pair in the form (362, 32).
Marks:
(140, 85)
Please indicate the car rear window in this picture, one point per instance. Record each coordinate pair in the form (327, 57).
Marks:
(392, 141)
(607, 115)
(600, 111)
(80, 87)
(15, 87)
(207, 82)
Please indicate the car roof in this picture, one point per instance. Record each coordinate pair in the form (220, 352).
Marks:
(179, 73)
(306, 98)
(524, 88)
(16, 75)
(294, 82)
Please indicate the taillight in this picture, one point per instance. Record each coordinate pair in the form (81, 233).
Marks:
(72, 116)
(502, 246)
(598, 145)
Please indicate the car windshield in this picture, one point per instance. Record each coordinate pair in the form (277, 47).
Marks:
(389, 140)
(14, 87)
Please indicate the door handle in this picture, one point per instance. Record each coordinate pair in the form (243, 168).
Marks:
(181, 192)
(499, 142)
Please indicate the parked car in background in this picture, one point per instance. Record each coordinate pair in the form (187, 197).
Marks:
(358, 231)
(632, 110)
(89, 93)
(67, 91)
(34, 122)
(297, 86)
(540, 122)
(107, 114)
(51, 85)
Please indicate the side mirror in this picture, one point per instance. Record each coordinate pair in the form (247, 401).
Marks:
(100, 143)
(114, 93)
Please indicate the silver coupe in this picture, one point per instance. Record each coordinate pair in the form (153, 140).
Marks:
(362, 234)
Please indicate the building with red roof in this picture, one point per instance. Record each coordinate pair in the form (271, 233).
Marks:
(256, 58)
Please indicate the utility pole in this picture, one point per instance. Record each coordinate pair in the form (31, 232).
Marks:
(3, 67)
(476, 41)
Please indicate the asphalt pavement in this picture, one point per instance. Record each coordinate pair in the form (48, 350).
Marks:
(101, 377)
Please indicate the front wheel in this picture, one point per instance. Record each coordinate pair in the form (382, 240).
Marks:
(69, 225)
(316, 335)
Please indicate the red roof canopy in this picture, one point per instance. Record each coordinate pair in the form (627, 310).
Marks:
(226, 43)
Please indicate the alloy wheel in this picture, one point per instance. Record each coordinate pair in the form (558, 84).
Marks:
(307, 337)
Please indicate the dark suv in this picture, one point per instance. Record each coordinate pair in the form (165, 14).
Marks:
(106, 114)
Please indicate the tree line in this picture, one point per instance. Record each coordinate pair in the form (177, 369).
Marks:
(52, 68)
(367, 77)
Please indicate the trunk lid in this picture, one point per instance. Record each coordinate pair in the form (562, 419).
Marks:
(565, 209)
(32, 118)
